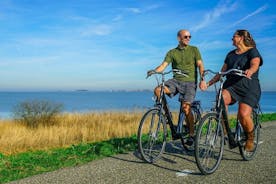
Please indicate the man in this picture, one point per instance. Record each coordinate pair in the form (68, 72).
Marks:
(186, 58)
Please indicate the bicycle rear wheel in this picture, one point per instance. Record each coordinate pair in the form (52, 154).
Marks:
(249, 155)
(185, 130)
(209, 144)
(152, 135)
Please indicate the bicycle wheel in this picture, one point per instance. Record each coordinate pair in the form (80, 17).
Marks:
(152, 135)
(209, 143)
(248, 155)
(185, 131)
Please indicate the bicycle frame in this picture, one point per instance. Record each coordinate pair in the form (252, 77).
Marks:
(223, 116)
(163, 104)
(210, 136)
(220, 108)
(152, 132)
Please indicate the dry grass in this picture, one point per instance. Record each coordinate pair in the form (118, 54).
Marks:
(71, 129)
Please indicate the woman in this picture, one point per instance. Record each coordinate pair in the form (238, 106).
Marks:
(245, 90)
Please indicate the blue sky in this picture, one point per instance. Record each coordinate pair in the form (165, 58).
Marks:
(109, 45)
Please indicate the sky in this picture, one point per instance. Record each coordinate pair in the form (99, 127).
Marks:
(110, 45)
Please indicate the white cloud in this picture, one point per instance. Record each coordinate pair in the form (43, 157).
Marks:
(144, 9)
(100, 30)
(134, 10)
(28, 61)
(117, 18)
(259, 10)
(152, 7)
(222, 8)
(213, 45)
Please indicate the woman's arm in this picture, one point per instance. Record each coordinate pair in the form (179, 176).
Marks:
(216, 77)
(254, 66)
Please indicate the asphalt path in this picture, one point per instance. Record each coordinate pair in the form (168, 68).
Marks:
(176, 166)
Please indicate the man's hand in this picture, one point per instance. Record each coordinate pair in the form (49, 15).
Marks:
(202, 85)
(150, 72)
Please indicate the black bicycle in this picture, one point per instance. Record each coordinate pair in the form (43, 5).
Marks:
(153, 133)
(210, 138)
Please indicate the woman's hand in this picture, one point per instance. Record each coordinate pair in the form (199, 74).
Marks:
(248, 73)
(202, 85)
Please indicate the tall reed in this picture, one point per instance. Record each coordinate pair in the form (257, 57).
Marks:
(71, 129)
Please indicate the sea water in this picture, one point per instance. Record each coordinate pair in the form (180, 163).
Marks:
(87, 101)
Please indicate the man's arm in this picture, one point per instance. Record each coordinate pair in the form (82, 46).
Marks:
(201, 69)
(161, 67)
(202, 83)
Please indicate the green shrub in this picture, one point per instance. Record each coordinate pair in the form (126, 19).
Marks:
(35, 113)
(268, 117)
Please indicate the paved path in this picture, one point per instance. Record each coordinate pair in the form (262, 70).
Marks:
(176, 166)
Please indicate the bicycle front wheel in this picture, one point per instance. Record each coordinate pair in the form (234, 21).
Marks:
(249, 155)
(209, 143)
(152, 135)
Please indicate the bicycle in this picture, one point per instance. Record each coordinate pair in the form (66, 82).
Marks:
(152, 131)
(210, 138)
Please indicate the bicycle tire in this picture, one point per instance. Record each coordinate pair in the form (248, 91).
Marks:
(152, 135)
(250, 155)
(197, 117)
(209, 143)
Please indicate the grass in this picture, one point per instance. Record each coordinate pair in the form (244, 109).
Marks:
(14, 167)
(76, 139)
(70, 129)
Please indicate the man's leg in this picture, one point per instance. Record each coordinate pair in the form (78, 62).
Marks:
(157, 91)
(187, 94)
(186, 106)
(169, 88)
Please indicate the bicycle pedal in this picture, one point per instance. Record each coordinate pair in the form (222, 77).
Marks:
(175, 137)
(190, 142)
(232, 145)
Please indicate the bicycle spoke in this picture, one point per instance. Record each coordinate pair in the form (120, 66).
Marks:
(151, 135)
(209, 144)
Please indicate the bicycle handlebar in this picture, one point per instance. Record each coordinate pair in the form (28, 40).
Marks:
(232, 71)
(180, 72)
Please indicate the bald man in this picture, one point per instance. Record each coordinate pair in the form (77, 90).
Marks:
(186, 58)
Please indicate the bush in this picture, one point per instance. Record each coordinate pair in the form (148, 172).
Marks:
(35, 113)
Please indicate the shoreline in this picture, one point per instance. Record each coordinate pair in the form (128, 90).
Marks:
(9, 116)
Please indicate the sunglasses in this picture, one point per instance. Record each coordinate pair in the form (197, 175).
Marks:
(186, 37)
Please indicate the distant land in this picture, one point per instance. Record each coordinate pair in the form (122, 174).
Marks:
(82, 90)
(111, 90)
(102, 90)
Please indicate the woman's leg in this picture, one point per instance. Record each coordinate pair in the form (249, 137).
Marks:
(227, 98)
(244, 115)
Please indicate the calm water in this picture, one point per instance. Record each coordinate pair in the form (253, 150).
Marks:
(111, 101)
